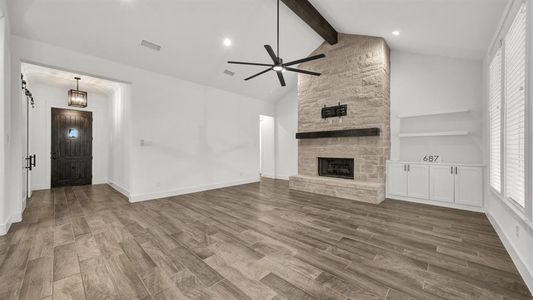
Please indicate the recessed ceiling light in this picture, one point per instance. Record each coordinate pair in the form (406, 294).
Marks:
(396, 32)
(227, 42)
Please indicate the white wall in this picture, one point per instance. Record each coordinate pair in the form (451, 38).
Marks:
(5, 81)
(196, 137)
(422, 83)
(267, 144)
(47, 97)
(286, 128)
(119, 156)
(5, 124)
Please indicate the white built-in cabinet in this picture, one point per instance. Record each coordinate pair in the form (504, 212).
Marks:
(442, 183)
(454, 185)
(398, 186)
(410, 180)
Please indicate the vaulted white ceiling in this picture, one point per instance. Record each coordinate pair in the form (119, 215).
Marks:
(191, 32)
(453, 28)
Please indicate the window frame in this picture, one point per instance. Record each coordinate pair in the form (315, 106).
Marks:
(501, 192)
(526, 212)
(504, 134)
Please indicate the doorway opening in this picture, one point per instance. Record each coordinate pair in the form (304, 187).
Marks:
(267, 159)
(107, 109)
(72, 147)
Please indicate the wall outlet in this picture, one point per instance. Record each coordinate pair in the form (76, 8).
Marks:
(517, 231)
(145, 143)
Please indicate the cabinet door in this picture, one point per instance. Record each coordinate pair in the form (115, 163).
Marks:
(396, 179)
(441, 183)
(469, 186)
(418, 181)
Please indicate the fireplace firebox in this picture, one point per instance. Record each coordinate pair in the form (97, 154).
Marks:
(336, 167)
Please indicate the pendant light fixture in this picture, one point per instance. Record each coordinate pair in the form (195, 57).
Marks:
(76, 97)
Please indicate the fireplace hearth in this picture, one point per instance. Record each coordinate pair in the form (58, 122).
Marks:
(336, 167)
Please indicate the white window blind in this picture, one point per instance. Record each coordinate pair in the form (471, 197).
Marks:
(515, 107)
(495, 116)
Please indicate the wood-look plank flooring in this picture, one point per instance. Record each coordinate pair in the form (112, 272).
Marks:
(255, 241)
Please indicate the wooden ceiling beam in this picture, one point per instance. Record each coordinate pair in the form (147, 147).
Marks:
(308, 13)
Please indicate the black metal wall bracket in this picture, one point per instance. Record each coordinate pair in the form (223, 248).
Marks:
(334, 111)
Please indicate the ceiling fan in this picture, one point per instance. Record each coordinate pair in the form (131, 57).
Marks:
(278, 66)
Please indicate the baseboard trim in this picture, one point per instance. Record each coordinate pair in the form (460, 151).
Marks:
(189, 190)
(283, 177)
(267, 175)
(523, 269)
(119, 188)
(39, 187)
(438, 203)
(15, 218)
(4, 227)
(100, 181)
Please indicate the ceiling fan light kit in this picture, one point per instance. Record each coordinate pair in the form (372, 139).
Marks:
(278, 66)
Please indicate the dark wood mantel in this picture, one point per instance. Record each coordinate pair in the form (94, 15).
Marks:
(338, 133)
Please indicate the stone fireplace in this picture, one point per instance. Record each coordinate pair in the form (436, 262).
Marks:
(355, 72)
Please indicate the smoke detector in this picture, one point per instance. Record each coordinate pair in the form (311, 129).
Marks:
(150, 45)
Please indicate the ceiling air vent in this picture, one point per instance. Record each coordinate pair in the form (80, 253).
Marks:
(228, 72)
(150, 45)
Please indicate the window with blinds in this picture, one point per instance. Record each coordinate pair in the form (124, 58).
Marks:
(495, 116)
(515, 107)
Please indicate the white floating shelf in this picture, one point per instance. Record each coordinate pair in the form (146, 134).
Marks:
(435, 113)
(428, 134)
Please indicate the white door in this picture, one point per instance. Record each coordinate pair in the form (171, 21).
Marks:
(397, 179)
(441, 183)
(267, 156)
(418, 181)
(469, 186)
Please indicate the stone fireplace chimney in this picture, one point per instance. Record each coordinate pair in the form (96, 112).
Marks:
(355, 72)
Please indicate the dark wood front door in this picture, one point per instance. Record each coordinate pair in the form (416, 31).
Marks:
(72, 147)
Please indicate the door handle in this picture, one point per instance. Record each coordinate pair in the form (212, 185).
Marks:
(451, 170)
(53, 156)
(455, 170)
(28, 163)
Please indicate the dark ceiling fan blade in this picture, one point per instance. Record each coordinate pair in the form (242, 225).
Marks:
(302, 71)
(249, 63)
(272, 54)
(262, 72)
(299, 61)
(281, 79)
